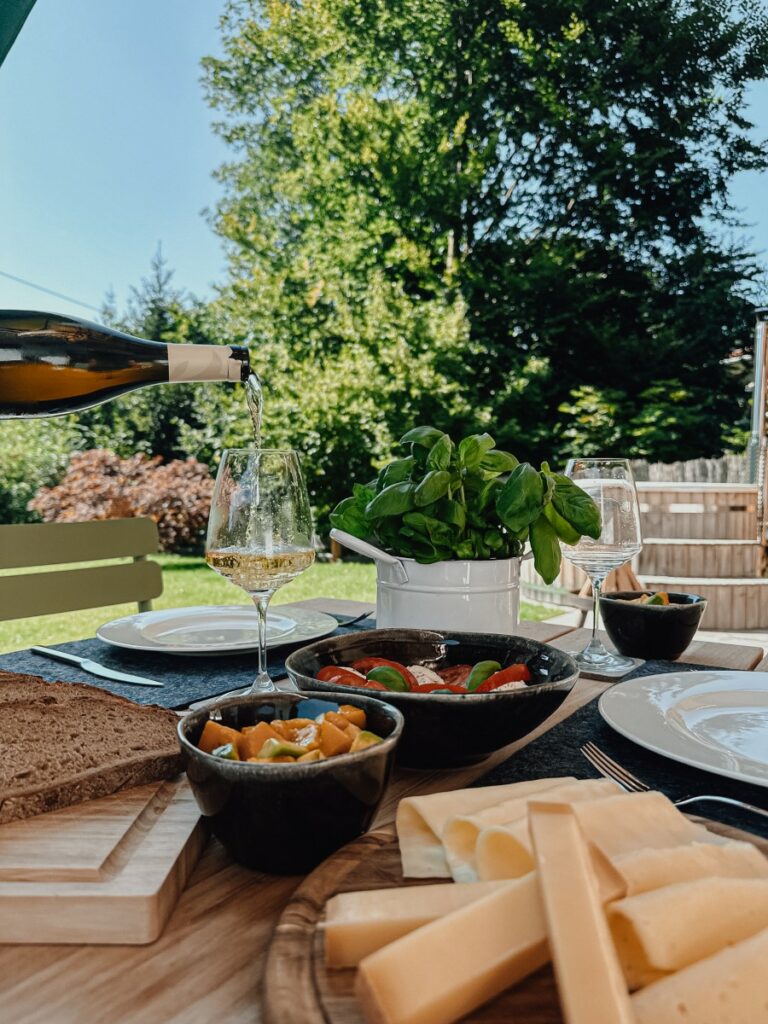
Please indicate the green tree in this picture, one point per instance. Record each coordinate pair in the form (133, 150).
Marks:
(488, 212)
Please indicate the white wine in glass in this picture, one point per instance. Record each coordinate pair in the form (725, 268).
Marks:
(260, 529)
(610, 484)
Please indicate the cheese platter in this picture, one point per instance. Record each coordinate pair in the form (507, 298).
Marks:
(306, 982)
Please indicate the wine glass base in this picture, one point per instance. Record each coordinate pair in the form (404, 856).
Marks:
(610, 666)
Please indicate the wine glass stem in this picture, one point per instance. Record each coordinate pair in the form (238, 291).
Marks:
(595, 645)
(262, 683)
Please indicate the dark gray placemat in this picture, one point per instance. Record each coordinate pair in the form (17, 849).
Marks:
(186, 679)
(558, 752)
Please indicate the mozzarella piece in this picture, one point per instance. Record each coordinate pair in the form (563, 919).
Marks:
(461, 832)
(423, 675)
(440, 972)
(359, 923)
(589, 978)
(643, 870)
(730, 987)
(420, 821)
(664, 930)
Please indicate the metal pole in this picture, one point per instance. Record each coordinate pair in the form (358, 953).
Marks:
(757, 436)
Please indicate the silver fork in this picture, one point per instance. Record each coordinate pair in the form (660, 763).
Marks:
(613, 770)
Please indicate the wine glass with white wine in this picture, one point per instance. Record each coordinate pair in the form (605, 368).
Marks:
(610, 484)
(260, 530)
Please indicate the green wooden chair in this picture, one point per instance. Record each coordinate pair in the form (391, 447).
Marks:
(44, 544)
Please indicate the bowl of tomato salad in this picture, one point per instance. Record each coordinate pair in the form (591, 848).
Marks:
(463, 695)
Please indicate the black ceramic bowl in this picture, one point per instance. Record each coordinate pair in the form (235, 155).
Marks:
(446, 730)
(651, 631)
(286, 818)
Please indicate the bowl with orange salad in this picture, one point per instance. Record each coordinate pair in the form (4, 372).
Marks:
(285, 779)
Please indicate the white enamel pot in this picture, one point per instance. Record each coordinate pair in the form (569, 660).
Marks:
(464, 595)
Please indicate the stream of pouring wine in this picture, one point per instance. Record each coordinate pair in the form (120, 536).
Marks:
(255, 400)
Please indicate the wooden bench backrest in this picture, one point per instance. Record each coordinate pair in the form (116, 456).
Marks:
(43, 544)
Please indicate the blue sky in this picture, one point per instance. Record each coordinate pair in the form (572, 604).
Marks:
(107, 150)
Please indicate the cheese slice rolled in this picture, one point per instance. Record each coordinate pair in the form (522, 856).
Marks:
(662, 931)
(643, 870)
(359, 923)
(590, 982)
(440, 972)
(420, 821)
(460, 832)
(730, 987)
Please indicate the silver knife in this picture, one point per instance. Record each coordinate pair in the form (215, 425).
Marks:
(95, 668)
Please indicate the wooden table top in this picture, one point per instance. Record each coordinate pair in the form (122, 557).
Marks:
(206, 967)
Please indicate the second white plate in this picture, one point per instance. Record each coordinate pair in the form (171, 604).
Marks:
(714, 720)
(213, 629)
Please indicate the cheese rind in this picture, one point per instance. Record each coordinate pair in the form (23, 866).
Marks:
(667, 929)
(440, 972)
(420, 821)
(589, 978)
(730, 987)
(359, 923)
(461, 832)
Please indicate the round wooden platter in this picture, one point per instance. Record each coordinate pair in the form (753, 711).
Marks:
(299, 989)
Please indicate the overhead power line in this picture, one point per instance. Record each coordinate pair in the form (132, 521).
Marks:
(49, 291)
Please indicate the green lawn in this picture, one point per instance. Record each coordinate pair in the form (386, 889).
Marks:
(189, 581)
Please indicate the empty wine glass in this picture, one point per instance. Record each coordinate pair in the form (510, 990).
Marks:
(610, 484)
(260, 530)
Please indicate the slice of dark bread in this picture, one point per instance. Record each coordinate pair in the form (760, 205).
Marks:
(62, 743)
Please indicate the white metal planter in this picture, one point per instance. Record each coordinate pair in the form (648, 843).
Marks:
(464, 595)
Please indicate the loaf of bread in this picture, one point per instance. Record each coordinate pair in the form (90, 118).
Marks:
(63, 743)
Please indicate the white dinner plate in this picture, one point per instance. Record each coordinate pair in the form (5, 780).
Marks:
(714, 720)
(214, 629)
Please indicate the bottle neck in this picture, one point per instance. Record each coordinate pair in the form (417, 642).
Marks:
(207, 362)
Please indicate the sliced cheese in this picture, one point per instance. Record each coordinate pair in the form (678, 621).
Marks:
(420, 821)
(659, 932)
(633, 821)
(730, 987)
(461, 831)
(643, 870)
(589, 977)
(359, 923)
(440, 972)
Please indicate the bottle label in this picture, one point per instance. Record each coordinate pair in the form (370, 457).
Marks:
(202, 362)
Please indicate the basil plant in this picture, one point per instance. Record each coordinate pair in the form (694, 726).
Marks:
(443, 501)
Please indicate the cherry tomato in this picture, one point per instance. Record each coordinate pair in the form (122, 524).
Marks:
(455, 674)
(437, 688)
(512, 674)
(366, 664)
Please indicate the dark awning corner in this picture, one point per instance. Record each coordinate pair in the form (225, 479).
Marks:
(13, 14)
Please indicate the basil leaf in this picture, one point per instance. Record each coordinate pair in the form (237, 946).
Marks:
(363, 494)
(392, 501)
(397, 471)
(424, 436)
(576, 507)
(440, 453)
(546, 549)
(351, 518)
(521, 498)
(473, 448)
(433, 487)
(562, 528)
(496, 461)
(453, 513)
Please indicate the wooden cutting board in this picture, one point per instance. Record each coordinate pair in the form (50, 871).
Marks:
(105, 871)
(299, 989)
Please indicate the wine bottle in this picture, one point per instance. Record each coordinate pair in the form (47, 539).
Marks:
(51, 365)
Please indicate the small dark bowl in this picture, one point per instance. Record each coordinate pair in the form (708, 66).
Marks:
(651, 631)
(286, 818)
(447, 730)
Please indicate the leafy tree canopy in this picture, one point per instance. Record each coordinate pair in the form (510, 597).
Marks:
(489, 213)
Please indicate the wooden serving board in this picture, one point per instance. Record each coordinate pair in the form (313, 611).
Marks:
(104, 871)
(299, 989)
